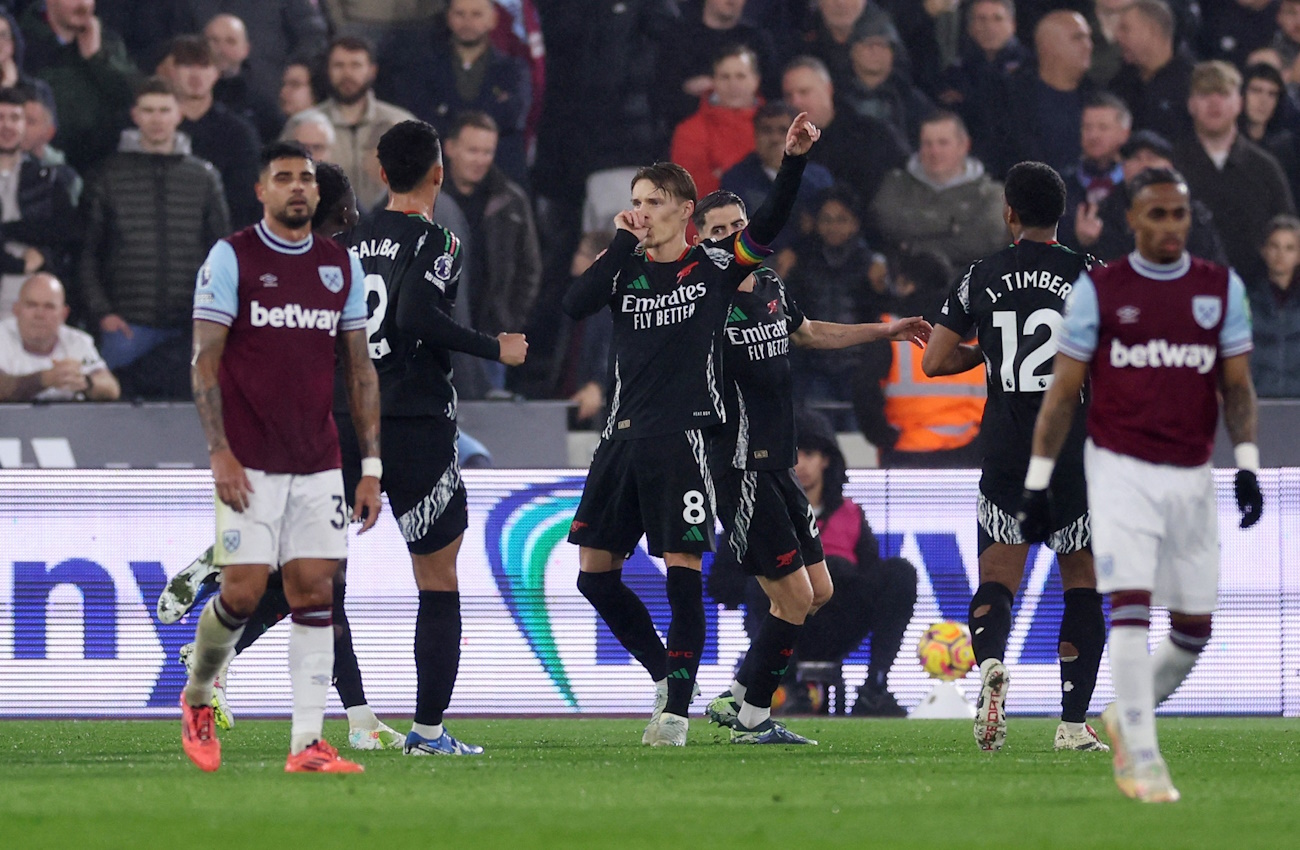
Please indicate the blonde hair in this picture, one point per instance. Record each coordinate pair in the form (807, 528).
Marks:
(1215, 77)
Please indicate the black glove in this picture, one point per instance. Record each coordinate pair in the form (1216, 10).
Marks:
(1035, 516)
(1250, 501)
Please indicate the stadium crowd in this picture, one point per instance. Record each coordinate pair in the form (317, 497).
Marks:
(129, 132)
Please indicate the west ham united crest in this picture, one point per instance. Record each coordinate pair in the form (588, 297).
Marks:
(230, 540)
(1207, 310)
(332, 277)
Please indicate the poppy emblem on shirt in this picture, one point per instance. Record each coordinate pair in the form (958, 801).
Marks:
(1206, 310)
(332, 277)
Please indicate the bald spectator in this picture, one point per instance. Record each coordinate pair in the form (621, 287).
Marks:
(37, 221)
(228, 38)
(41, 358)
(277, 29)
(359, 118)
(1242, 184)
(942, 201)
(88, 68)
(463, 72)
(1099, 171)
(878, 89)
(216, 134)
(721, 132)
(1155, 76)
(1231, 29)
(316, 133)
(858, 150)
(42, 124)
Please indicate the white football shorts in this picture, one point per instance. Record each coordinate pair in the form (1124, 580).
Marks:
(290, 516)
(1154, 527)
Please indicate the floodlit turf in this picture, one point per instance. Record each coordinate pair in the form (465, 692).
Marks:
(589, 783)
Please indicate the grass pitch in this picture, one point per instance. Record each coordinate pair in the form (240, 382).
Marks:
(588, 783)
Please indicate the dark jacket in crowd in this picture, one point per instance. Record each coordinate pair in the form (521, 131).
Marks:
(150, 220)
(1031, 121)
(895, 101)
(1116, 239)
(48, 218)
(1160, 103)
(93, 96)
(251, 104)
(231, 144)
(859, 151)
(751, 182)
(831, 285)
(506, 241)
(1275, 326)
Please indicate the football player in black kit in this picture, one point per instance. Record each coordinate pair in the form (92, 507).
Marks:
(412, 266)
(650, 472)
(770, 528)
(1013, 302)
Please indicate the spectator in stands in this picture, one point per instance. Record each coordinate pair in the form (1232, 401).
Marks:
(877, 89)
(931, 33)
(152, 212)
(41, 358)
(1240, 182)
(837, 277)
(299, 88)
(358, 116)
(1231, 29)
(216, 134)
(975, 85)
(12, 48)
(915, 421)
(873, 595)
(586, 364)
(1155, 76)
(89, 71)
(463, 72)
(506, 259)
(1270, 119)
(689, 51)
(37, 219)
(832, 28)
(942, 200)
(276, 29)
(858, 150)
(1286, 41)
(1104, 232)
(1107, 56)
(1090, 180)
(228, 38)
(1275, 313)
(721, 132)
(752, 177)
(316, 133)
(375, 20)
(42, 124)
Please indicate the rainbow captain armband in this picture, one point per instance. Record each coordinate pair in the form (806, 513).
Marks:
(749, 252)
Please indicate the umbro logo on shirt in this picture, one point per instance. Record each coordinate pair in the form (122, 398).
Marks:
(269, 280)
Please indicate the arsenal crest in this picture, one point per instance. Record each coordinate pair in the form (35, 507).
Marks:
(230, 540)
(1207, 310)
(332, 277)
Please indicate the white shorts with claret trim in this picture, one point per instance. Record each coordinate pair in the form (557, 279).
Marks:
(289, 517)
(1154, 527)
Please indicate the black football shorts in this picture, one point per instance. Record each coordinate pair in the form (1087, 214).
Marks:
(769, 527)
(999, 498)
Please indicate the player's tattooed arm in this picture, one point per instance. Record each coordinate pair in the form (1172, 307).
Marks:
(363, 390)
(946, 354)
(1057, 413)
(1240, 412)
(209, 343)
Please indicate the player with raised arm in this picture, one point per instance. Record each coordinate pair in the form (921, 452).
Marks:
(272, 306)
(1013, 301)
(650, 472)
(771, 530)
(412, 267)
(1161, 335)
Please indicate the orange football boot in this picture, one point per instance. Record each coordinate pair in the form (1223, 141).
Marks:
(199, 736)
(320, 757)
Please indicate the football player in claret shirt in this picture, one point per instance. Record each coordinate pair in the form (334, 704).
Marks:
(650, 473)
(1013, 301)
(272, 307)
(770, 528)
(1161, 335)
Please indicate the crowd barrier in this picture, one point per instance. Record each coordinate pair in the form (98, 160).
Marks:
(84, 554)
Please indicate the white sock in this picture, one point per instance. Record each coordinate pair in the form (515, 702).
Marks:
(426, 731)
(738, 692)
(752, 715)
(311, 669)
(213, 645)
(1131, 672)
(362, 717)
(661, 685)
(1172, 666)
(1074, 728)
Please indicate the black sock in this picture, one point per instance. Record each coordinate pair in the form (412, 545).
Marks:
(990, 631)
(437, 653)
(271, 609)
(771, 651)
(627, 617)
(347, 673)
(685, 636)
(1083, 625)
